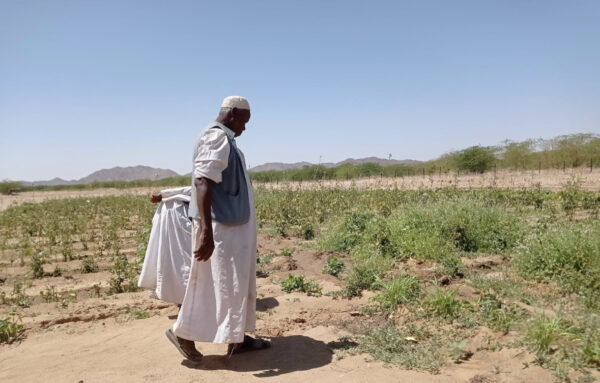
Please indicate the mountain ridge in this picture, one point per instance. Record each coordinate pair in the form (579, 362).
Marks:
(132, 173)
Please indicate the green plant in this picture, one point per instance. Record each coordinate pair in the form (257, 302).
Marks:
(17, 296)
(400, 290)
(10, 330)
(89, 265)
(36, 265)
(139, 314)
(63, 298)
(408, 347)
(362, 277)
(261, 264)
(495, 314)
(286, 252)
(96, 290)
(334, 266)
(125, 275)
(50, 294)
(57, 271)
(541, 333)
(453, 267)
(297, 283)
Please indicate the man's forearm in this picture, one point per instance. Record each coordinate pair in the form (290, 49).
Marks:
(204, 200)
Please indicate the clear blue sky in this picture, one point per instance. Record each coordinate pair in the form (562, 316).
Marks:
(86, 85)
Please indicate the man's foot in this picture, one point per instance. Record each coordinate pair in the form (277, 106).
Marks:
(249, 344)
(185, 347)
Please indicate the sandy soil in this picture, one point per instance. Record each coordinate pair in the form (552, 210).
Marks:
(98, 339)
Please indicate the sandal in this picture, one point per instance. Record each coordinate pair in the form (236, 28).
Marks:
(194, 356)
(249, 344)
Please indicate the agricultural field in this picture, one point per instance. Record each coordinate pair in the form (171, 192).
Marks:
(430, 285)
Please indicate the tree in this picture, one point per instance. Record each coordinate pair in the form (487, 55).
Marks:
(476, 159)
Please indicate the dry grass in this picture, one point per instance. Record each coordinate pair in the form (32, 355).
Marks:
(546, 179)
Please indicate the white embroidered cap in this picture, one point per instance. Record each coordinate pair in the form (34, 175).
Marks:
(235, 102)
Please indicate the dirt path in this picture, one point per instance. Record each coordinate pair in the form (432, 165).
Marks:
(106, 351)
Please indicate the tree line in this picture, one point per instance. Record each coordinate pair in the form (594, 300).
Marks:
(567, 151)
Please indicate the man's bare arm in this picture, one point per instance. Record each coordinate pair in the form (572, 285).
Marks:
(204, 242)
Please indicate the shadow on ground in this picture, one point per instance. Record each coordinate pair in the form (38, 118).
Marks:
(264, 304)
(287, 354)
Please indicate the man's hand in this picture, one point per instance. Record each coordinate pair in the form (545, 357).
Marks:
(156, 198)
(205, 245)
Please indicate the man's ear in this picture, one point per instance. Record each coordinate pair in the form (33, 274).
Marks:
(234, 112)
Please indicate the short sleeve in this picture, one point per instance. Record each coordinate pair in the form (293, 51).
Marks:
(213, 155)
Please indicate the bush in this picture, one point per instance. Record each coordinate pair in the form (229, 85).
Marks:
(8, 187)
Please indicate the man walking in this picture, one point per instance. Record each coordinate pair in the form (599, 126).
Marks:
(220, 300)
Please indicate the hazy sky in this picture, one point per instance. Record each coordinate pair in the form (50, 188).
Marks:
(86, 85)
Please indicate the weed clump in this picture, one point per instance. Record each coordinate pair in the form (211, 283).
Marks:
(89, 265)
(496, 314)
(361, 278)
(443, 304)
(297, 283)
(400, 290)
(452, 267)
(334, 266)
(10, 330)
(567, 256)
(17, 297)
(36, 265)
(407, 347)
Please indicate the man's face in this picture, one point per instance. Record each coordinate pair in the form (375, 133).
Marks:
(240, 118)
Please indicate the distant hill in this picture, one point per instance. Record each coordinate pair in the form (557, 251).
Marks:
(277, 166)
(129, 173)
(132, 173)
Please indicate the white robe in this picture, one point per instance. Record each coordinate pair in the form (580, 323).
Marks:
(220, 300)
(168, 257)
